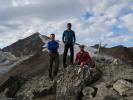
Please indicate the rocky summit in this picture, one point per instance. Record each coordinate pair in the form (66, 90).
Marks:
(24, 75)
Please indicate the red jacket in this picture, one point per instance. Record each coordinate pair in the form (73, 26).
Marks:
(83, 57)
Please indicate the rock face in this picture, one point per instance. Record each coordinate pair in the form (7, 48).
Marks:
(114, 69)
(111, 79)
(71, 83)
(6, 61)
(34, 73)
(88, 92)
(11, 86)
(7, 57)
(106, 93)
(25, 46)
(124, 87)
(125, 54)
(36, 88)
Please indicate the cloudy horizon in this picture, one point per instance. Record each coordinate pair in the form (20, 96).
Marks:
(109, 21)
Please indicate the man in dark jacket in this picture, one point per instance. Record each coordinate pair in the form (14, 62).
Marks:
(54, 56)
(69, 39)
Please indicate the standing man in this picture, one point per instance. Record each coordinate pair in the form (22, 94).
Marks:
(69, 39)
(53, 56)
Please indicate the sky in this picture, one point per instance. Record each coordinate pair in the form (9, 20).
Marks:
(109, 21)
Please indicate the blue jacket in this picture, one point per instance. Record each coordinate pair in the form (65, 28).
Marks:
(53, 46)
(68, 37)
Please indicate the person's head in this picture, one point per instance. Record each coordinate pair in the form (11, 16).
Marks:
(81, 47)
(52, 36)
(69, 26)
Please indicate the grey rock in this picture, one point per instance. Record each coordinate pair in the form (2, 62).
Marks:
(12, 86)
(35, 88)
(7, 56)
(128, 98)
(6, 98)
(123, 87)
(107, 93)
(115, 72)
(88, 91)
(71, 83)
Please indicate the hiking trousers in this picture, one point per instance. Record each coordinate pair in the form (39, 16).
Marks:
(53, 64)
(66, 48)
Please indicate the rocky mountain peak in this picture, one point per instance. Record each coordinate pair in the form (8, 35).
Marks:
(26, 46)
(27, 79)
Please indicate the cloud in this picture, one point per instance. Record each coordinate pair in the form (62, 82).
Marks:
(127, 21)
(47, 10)
(93, 21)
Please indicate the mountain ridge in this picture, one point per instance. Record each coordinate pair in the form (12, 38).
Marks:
(119, 52)
(27, 78)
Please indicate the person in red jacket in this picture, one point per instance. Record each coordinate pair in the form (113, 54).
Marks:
(82, 57)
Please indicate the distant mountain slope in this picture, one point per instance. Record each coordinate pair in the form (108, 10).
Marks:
(123, 53)
(27, 79)
(131, 48)
(35, 42)
(25, 46)
(6, 61)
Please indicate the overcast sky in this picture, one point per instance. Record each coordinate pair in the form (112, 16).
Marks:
(109, 21)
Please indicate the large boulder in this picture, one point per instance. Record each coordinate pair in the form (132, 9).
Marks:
(128, 98)
(35, 88)
(124, 87)
(106, 93)
(88, 92)
(11, 86)
(70, 83)
(114, 69)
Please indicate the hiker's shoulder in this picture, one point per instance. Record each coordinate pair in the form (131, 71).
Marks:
(65, 31)
(86, 52)
(68, 31)
(56, 41)
(49, 42)
(72, 31)
(78, 53)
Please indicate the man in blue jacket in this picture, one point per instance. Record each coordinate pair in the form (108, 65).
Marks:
(69, 39)
(54, 56)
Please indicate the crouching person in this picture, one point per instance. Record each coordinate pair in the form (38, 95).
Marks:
(83, 58)
(53, 56)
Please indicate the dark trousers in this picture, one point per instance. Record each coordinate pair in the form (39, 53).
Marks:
(53, 59)
(67, 46)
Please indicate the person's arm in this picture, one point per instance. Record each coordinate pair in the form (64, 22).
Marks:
(74, 38)
(63, 37)
(48, 46)
(57, 46)
(51, 46)
(88, 58)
